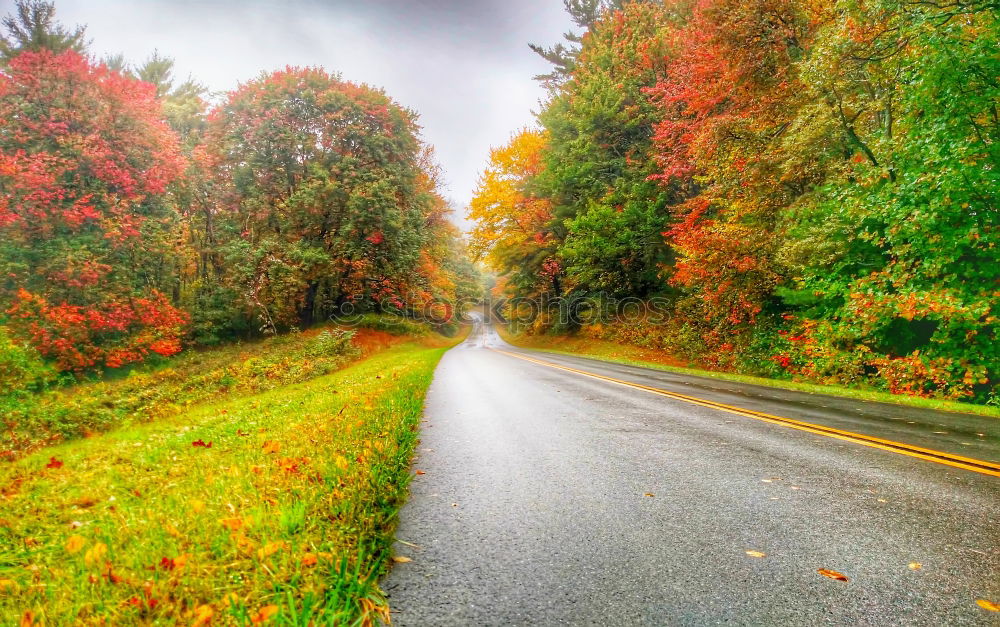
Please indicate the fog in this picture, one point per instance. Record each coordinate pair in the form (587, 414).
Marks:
(464, 67)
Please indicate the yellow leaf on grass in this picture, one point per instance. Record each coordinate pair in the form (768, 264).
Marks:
(915, 565)
(203, 615)
(264, 614)
(74, 544)
(95, 554)
(269, 549)
(401, 559)
(272, 446)
(988, 605)
(752, 553)
(8, 584)
(197, 506)
(832, 574)
(170, 529)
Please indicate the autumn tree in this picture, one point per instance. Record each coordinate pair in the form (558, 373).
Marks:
(88, 231)
(320, 195)
(513, 231)
(897, 255)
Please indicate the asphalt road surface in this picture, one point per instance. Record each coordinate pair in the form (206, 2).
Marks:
(550, 497)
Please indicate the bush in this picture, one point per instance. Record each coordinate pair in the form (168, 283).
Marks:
(331, 343)
(396, 325)
(21, 367)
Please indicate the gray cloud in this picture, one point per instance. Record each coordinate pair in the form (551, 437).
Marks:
(464, 66)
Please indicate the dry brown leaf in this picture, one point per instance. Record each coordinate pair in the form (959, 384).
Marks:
(915, 565)
(649, 494)
(988, 605)
(401, 559)
(756, 554)
(832, 574)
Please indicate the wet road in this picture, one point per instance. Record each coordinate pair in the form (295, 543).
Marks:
(550, 497)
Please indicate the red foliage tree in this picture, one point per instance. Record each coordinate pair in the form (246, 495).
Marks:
(86, 225)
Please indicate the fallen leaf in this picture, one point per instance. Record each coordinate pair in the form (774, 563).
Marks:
(74, 544)
(28, 619)
(197, 506)
(649, 494)
(264, 614)
(756, 554)
(832, 574)
(309, 559)
(203, 615)
(95, 554)
(915, 565)
(401, 559)
(420, 472)
(271, 446)
(54, 463)
(988, 605)
(201, 443)
(269, 549)
(232, 524)
(8, 584)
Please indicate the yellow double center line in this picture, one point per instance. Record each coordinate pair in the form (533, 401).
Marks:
(940, 457)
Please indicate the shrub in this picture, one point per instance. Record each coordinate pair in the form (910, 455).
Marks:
(21, 367)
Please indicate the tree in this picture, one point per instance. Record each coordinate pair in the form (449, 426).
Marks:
(584, 14)
(513, 230)
(320, 195)
(608, 213)
(33, 27)
(88, 232)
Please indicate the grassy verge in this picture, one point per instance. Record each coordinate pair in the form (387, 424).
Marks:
(637, 356)
(275, 507)
(155, 391)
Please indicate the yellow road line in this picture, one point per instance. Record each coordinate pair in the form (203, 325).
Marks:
(939, 457)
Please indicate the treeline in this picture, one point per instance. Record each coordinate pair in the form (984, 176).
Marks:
(811, 185)
(137, 218)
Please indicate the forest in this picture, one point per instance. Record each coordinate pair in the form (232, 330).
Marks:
(806, 189)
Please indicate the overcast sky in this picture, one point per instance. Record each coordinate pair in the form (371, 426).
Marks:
(463, 65)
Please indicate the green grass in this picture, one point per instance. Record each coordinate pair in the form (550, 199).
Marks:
(636, 356)
(285, 514)
(167, 388)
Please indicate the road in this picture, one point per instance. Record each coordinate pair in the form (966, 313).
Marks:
(545, 496)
